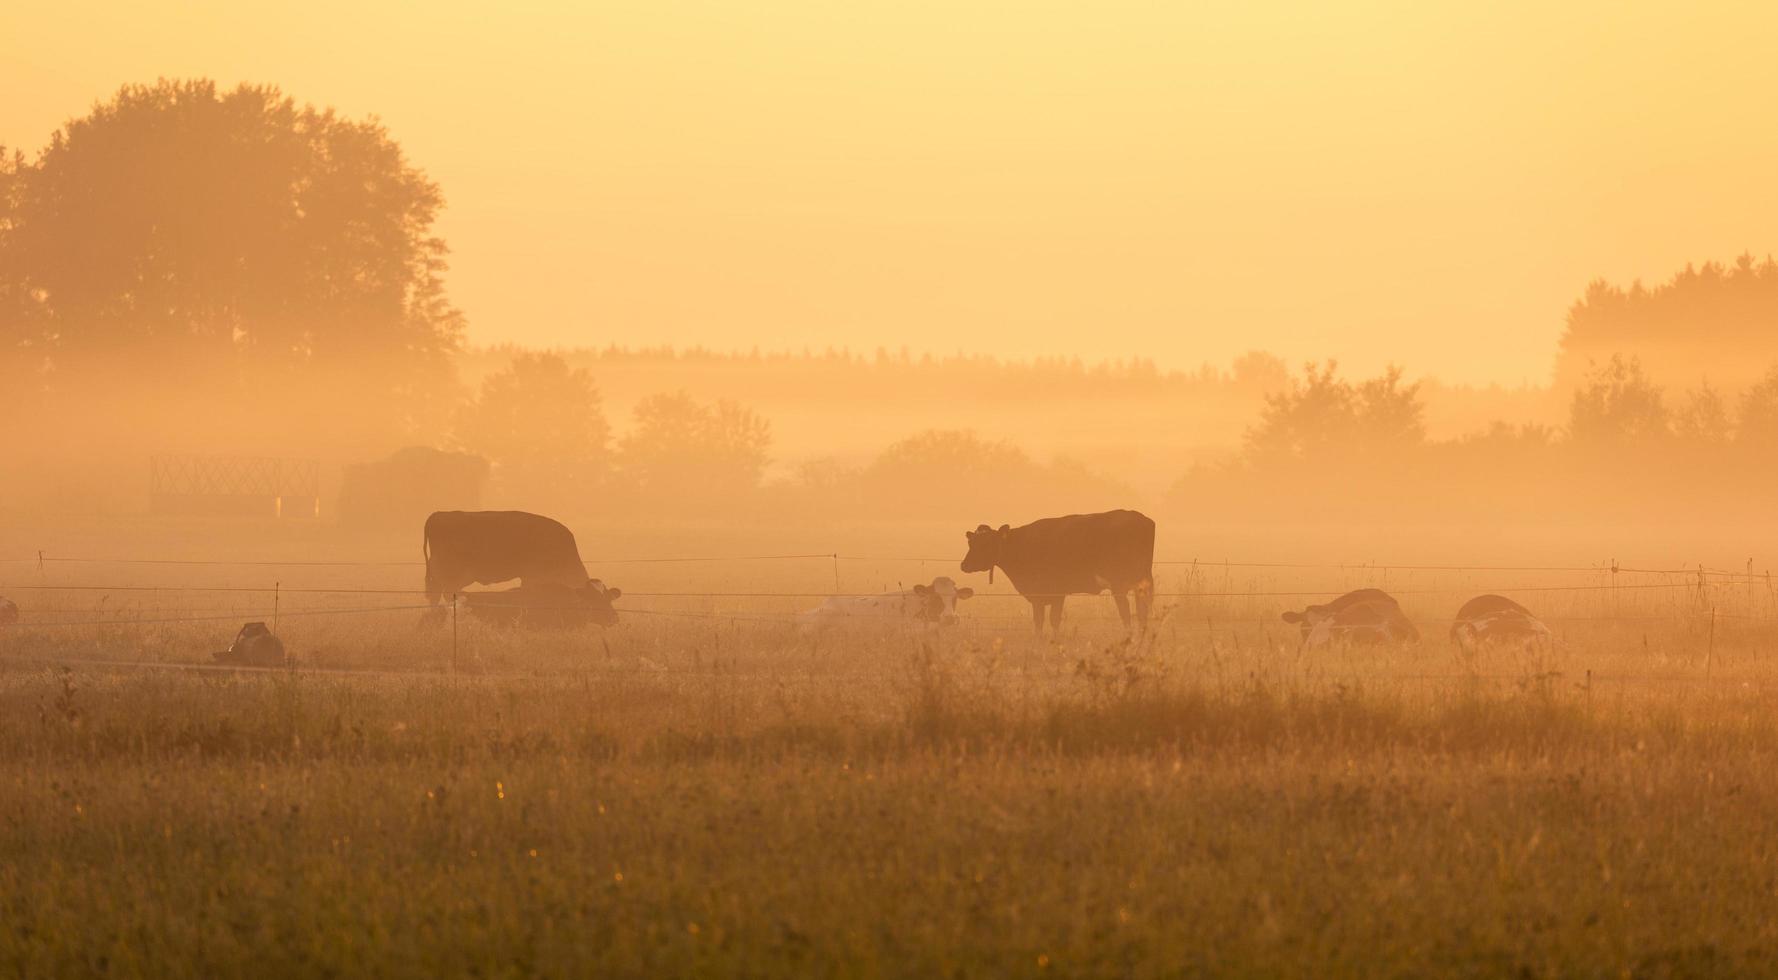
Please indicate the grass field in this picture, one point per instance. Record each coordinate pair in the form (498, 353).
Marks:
(703, 790)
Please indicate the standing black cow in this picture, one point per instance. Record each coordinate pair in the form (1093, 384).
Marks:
(489, 546)
(1081, 554)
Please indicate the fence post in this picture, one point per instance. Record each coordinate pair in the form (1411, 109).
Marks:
(836, 572)
(453, 634)
(275, 596)
(1614, 603)
(1710, 651)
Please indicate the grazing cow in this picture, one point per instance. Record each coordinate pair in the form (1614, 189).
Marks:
(922, 605)
(490, 546)
(1495, 618)
(9, 612)
(546, 606)
(1362, 615)
(1081, 554)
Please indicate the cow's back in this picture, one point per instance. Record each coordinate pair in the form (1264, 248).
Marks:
(1485, 605)
(497, 545)
(1081, 553)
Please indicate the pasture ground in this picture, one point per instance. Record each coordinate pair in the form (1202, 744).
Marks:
(705, 791)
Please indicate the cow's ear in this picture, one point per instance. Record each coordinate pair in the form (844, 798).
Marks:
(1005, 528)
(965, 592)
(613, 593)
(1292, 617)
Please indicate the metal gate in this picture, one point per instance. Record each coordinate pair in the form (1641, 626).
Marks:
(244, 486)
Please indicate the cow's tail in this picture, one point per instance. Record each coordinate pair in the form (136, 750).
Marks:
(432, 596)
(1145, 585)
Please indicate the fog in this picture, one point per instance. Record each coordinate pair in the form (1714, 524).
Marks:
(226, 287)
(1427, 343)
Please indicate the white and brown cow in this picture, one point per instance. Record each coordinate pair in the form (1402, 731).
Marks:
(1490, 619)
(920, 606)
(1358, 617)
(546, 606)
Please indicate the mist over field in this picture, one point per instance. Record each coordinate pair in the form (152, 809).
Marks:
(452, 528)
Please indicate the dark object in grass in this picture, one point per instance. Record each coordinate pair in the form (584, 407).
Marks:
(254, 646)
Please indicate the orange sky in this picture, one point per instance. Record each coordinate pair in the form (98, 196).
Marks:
(1430, 184)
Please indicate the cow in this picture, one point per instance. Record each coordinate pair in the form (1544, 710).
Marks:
(547, 606)
(1081, 554)
(920, 606)
(1495, 618)
(9, 612)
(490, 546)
(1362, 615)
(1363, 623)
(254, 646)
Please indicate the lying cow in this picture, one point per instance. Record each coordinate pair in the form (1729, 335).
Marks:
(548, 606)
(922, 605)
(1493, 619)
(1359, 616)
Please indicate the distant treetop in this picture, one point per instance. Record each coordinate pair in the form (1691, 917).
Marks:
(1712, 322)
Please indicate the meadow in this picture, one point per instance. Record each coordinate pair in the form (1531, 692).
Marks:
(704, 790)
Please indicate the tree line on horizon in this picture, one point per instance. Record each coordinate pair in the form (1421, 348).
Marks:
(1628, 447)
(536, 436)
(231, 268)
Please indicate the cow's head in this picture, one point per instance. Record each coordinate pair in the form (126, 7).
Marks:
(1369, 621)
(1309, 618)
(598, 599)
(984, 549)
(937, 603)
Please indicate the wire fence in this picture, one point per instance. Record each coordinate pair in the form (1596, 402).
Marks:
(1703, 586)
(1609, 567)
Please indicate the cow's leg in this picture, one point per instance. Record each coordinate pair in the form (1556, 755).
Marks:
(1144, 604)
(1056, 616)
(1123, 608)
(1037, 615)
(443, 581)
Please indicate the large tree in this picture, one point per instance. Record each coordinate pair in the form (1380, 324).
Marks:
(191, 229)
(1617, 405)
(681, 448)
(543, 424)
(1323, 417)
